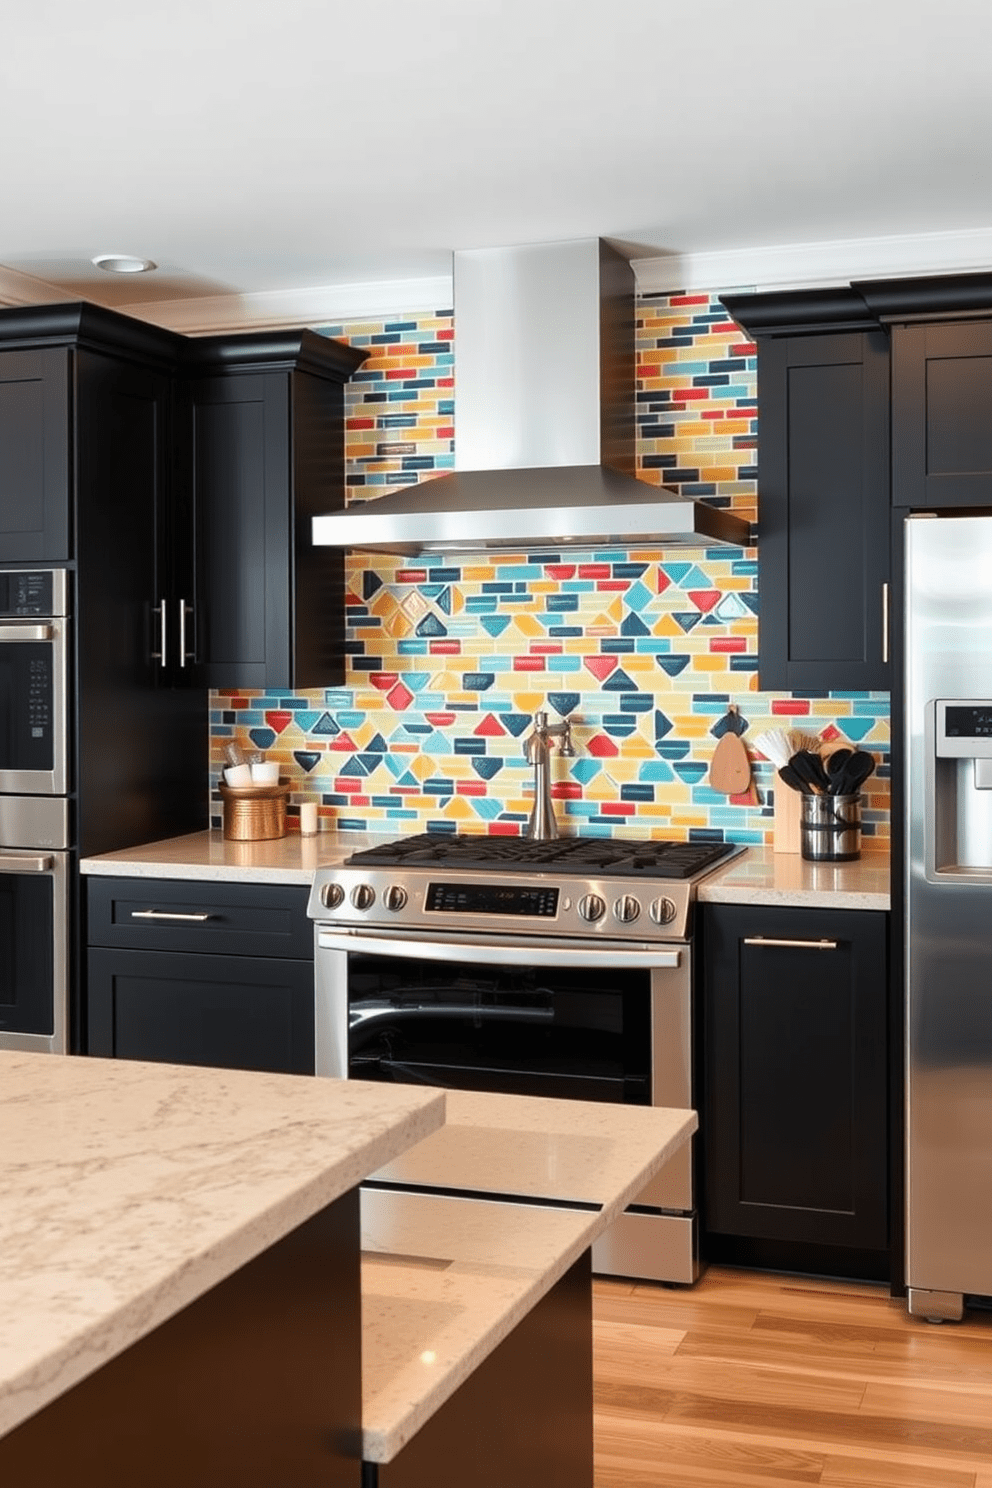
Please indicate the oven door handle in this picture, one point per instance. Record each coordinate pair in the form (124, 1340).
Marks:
(26, 632)
(492, 950)
(11, 862)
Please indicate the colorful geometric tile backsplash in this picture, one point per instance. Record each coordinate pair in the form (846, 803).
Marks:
(643, 650)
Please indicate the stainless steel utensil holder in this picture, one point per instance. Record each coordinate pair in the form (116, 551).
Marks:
(830, 828)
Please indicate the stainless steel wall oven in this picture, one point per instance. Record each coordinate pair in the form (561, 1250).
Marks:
(559, 968)
(34, 809)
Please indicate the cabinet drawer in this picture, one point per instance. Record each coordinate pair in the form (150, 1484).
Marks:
(188, 915)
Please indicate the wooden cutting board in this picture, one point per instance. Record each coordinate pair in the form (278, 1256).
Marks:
(730, 768)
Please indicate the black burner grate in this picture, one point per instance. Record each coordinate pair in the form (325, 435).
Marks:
(592, 856)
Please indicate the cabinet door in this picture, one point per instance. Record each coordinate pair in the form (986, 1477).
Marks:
(35, 469)
(232, 1012)
(942, 415)
(794, 1132)
(823, 512)
(241, 493)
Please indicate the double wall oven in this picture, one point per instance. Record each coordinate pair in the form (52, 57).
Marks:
(34, 809)
(556, 968)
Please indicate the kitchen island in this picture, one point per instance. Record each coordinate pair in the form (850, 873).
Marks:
(179, 1280)
(179, 1270)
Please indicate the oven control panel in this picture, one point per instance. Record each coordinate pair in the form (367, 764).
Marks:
(604, 908)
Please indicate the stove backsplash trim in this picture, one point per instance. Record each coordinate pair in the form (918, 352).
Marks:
(643, 651)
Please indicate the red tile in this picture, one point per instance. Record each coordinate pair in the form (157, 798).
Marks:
(470, 788)
(790, 707)
(594, 571)
(560, 571)
(528, 664)
(383, 680)
(445, 648)
(704, 599)
(490, 727)
(399, 697)
(618, 808)
(600, 666)
(411, 576)
(726, 644)
(566, 790)
(441, 720)
(601, 746)
(278, 721)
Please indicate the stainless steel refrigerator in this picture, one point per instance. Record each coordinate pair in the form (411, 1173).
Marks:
(948, 721)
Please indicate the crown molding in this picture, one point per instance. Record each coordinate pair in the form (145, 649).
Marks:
(799, 265)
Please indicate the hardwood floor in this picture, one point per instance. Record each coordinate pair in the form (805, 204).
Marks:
(761, 1381)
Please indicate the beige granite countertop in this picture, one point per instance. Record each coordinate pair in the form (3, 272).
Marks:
(759, 876)
(127, 1190)
(762, 876)
(446, 1278)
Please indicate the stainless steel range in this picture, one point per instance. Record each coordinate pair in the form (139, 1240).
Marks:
(557, 968)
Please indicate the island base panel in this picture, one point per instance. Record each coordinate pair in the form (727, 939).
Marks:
(524, 1417)
(256, 1383)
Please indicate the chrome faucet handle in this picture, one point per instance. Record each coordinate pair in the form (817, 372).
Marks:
(566, 747)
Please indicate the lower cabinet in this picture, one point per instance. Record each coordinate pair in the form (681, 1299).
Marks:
(794, 1112)
(200, 973)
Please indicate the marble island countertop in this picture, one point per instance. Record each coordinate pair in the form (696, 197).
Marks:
(447, 1275)
(130, 1189)
(759, 876)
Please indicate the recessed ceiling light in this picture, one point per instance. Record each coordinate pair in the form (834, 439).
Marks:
(123, 263)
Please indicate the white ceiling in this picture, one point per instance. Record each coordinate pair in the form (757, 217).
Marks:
(327, 153)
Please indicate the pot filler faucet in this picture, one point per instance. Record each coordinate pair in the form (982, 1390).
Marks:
(537, 751)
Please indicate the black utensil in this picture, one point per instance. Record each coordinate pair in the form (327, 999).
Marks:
(855, 773)
(834, 765)
(793, 779)
(809, 767)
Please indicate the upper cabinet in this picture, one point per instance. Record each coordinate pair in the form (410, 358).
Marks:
(262, 427)
(35, 489)
(942, 414)
(823, 490)
(941, 329)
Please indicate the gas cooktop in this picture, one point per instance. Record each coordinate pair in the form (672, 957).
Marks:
(590, 856)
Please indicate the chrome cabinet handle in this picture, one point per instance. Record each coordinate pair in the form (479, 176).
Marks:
(799, 945)
(161, 655)
(885, 621)
(25, 862)
(26, 632)
(164, 914)
(184, 610)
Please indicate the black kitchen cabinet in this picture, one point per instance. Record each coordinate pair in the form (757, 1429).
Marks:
(201, 973)
(794, 1115)
(34, 456)
(264, 431)
(823, 490)
(942, 415)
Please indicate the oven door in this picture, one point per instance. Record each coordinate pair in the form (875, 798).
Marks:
(33, 944)
(542, 1017)
(33, 752)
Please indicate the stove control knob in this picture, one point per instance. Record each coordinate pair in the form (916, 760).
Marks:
(663, 911)
(627, 909)
(394, 898)
(363, 896)
(331, 895)
(592, 907)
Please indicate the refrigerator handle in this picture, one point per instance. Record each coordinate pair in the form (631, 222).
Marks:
(885, 621)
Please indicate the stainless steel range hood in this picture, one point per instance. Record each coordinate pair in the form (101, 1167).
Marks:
(545, 427)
